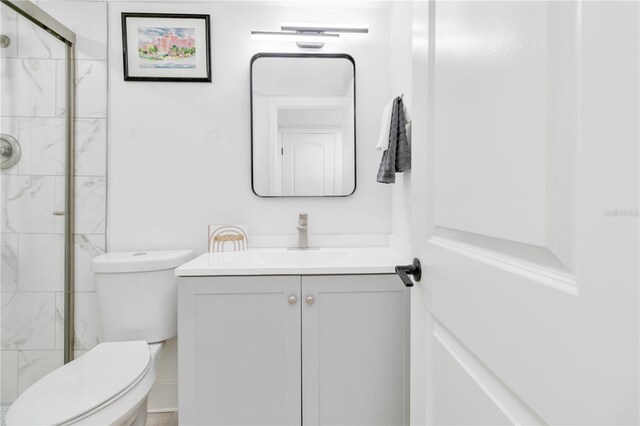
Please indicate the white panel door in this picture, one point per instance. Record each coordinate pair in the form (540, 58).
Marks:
(525, 213)
(355, 350)
(308, 163)
(239, 347)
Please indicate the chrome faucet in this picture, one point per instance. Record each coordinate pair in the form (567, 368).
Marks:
(303, 236)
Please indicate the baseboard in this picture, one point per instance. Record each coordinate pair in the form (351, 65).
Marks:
(163, 398)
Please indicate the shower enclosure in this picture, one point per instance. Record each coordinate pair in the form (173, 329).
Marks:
(36, 196)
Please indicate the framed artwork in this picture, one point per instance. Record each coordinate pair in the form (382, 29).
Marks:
(166, 47)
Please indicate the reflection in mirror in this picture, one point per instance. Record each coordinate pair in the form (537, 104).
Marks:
(303, 125)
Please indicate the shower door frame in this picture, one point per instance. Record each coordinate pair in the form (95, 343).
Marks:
(68, 37)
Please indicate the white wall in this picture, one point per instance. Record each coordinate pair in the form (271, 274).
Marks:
(179, 153)
(401, 82)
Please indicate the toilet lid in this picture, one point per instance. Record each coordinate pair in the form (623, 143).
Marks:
(82, 385)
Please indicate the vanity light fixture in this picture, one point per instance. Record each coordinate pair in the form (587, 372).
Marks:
(325, 28)
(308, 35)
(313, 40)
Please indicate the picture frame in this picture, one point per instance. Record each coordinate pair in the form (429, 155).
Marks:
(166, 47)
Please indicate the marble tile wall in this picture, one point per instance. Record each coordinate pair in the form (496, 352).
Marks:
(31, 243)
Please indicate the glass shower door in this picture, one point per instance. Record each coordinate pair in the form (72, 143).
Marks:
(34, 130)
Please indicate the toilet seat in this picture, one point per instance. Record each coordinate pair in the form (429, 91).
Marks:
(83, 386)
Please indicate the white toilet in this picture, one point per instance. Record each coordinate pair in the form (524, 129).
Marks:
(110, 384)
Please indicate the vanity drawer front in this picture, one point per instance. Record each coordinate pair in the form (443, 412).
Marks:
(239, 359)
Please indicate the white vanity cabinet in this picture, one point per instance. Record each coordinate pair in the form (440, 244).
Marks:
(324, 349)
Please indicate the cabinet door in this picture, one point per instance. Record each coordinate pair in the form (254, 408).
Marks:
(239, 346)
(355, 347)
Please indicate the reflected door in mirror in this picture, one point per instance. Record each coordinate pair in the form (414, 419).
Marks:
(308, 163)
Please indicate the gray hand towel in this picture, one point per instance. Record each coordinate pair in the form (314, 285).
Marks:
(397, 158)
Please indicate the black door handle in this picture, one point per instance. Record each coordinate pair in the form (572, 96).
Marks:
(414, 269)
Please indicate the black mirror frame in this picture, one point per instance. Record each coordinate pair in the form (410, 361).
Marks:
(355, 151)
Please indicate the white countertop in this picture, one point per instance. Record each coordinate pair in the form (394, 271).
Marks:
(281, 261)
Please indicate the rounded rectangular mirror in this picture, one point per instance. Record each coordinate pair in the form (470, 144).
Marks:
(303, 133)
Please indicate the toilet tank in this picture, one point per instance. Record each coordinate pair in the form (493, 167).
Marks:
(137, 294)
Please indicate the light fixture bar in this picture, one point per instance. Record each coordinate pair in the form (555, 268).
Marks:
(297, 37)
(325, 28)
